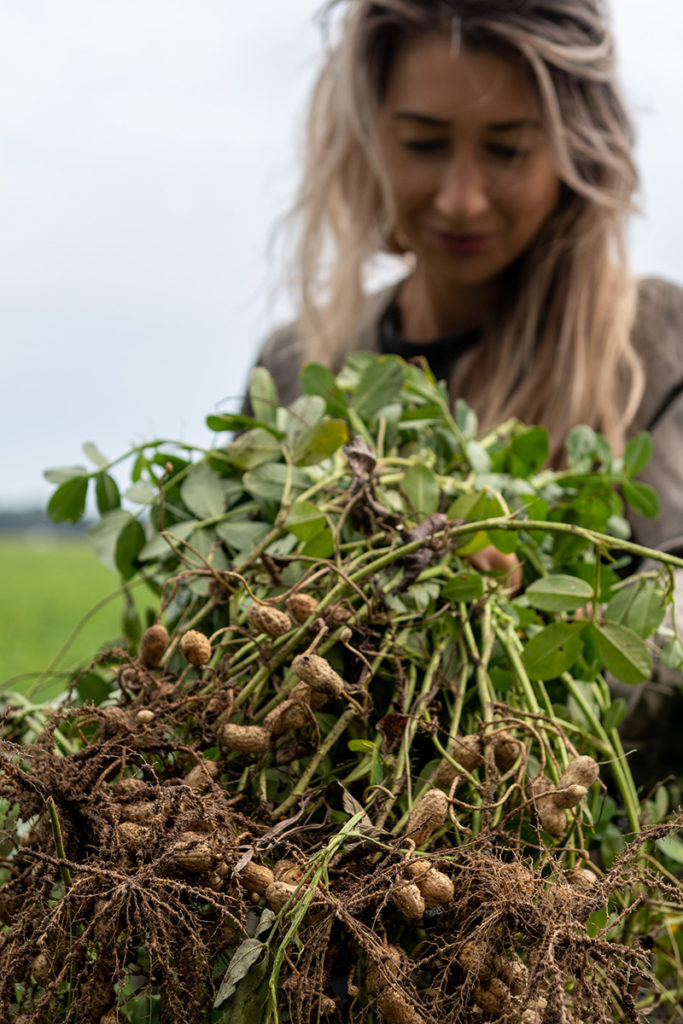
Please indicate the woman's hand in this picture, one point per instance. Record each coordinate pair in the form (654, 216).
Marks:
(490, 559)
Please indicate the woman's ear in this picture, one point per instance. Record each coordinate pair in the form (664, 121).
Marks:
(395, 243)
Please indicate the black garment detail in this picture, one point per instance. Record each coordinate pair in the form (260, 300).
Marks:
(441, 353)
(663, 407)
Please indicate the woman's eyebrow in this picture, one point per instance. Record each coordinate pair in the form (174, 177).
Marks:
(511, 126)
(426, 119)
(438, 122)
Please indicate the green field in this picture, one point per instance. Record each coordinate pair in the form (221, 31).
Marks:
(47, 585)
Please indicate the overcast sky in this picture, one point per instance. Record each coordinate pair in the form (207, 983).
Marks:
(146, 149)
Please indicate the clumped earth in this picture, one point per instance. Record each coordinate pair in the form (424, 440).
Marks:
(169, 857)
(321, 791)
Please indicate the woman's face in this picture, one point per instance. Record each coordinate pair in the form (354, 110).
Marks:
(467, 159)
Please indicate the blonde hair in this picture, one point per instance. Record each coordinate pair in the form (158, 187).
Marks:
(560, 352)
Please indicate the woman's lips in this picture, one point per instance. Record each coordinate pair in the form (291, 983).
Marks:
(465, 243)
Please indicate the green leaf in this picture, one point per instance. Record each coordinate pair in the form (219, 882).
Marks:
(92, 687)
(380, 384)
(475, 507)
(361, 746)
(252, 449)
(321, 545)
(477, 457)
(235, 421)
(318, 380)
(671, 654)
(641, 498)
(92, 452)
(465, 418)
(421, 418)
(305, 520)
(106, 493)
(528, 452)
(61, 474)
(159, 547)
(263, 395)
(67, 504)
(467, 585)
(420, 487)
(241, 535)
(268, 481)
(672, 847)
(202, 492)
(244, 957)
(303, 414)
(105, 533)
(139, 466)
(615, 714)
(559, 593)
(129, 544)
(580, 446)
(142, 492)
(554, 650)
(640, 606)
(637, 453)
(319, 442)
(623, 652)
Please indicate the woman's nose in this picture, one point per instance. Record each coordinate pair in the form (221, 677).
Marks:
(463, 189)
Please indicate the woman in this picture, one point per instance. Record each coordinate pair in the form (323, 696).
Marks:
(486, 141)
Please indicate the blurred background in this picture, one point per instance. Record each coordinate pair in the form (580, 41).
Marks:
(148, 148)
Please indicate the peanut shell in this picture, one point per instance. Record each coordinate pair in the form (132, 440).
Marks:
(318, 673)
(335, 616)
(305, 695)
(130, 787)
(467, 751)
(550, 817)
(582, 878)
(279, 893)
(582, 771)
(396, 1009)
(264, 619)
(288, 871)
(133, 835)
(301, 607)
(436, 888)
(389, 961)
(200, 777)
(153, 645)
(41, 969)
(195, 647)
(289, 715)
(569, 796)
(514, 974)
(141, 813)
(256, 877)
(192, 852)
(506, 750)
(492, 995)
(409, 901)
(445, 775)
(474, 958)
(246, 738)
(428, 814)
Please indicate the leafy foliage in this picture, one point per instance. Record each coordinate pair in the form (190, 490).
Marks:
(373, 499)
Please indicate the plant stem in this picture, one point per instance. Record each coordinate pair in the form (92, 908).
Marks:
(333, 735)
(59, 843)
(620, 770)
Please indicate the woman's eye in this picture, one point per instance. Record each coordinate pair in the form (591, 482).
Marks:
(424, 145)
(506, 152)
